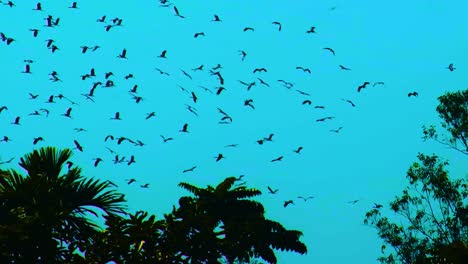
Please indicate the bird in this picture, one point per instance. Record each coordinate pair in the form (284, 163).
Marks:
(259, 70)
(331, 50)
(3, 108)
(307, 102)
(189, 170)
(116, 116)
(194, 97)
(278, 24)
(271, 190)
(149, 115)
(362, 86)
(68, 113)
(38, 7)
(288, 202)
(162, 72)
(184, 128)
(196, 35)
(336, 130)
(344, 68)
(216, 18)
(377, 206)
(166, 139)
(303, 69)
(16, 121)
(306, 198)
(377, 83)
(349, 101)
(123, 54)
(73, 5)
(219, 157)
(413, 94)
(277, 159)
(311, 30)
(163, 54)
(199, 68)
(450, 67)
(78, 146)
(33, 96)
(231, 145)
(146, 185)
(248, 29)
(249, 102)
(176, 11)
(298, 150)
(186, 74)
(27, 69)
(269, 138)
(128, 76)
(97, 161)
(131, 160)
(263, 82)
(130, 181)
(35, 32)
(243, 54)
(102, 19)
(36, 140)
(353, 201)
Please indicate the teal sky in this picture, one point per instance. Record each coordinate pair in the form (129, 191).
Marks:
(405, 44)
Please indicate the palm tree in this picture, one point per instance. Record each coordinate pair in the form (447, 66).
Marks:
(221, 223)
(48, 210)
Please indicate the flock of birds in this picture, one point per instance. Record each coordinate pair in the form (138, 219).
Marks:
(99, 80)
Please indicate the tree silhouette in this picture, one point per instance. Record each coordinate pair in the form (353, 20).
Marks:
(432, 217)
(453, 109)
(221, 223)
(45, 213)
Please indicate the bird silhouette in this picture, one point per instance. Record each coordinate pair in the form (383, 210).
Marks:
(130, 181)
(27, 69)
(116, 116)
(35, 32)
(307, 102)
(311, 30)
(415, 94)
(196, 35)
(149, 115)
(271, 190)
(249, 102)
(73, 5)
(38, 7)
(336, 130)
(166, 139)
(288, 202)
(189, 170)
(97, 161)
(248, 29)
(176, 11)
(303, 69)
(277, 159)
(298, 150)
(362, 86)
(306, 198)
(259, 70)
(78, 146)
(219, 157)
(16, 121)
(131, 160)
(350, 102)
(163, 54)
(184, 128)
(377, 206)
(450, 67)
(331, 50)
(344, 68)
(68, 113)
(37, 140)
(278, 24)
(243, 54)
(216, 18)
(146, 185)
(123, 54)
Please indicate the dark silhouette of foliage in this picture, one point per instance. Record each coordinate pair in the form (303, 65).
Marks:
(45, 213)
(453, 109)
(432, 224)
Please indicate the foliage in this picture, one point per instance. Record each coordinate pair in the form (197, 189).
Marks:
(44, 218)
(45, 213)
(453, 109)
(432, 226)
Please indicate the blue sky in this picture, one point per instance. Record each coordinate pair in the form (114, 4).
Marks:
(405, 44)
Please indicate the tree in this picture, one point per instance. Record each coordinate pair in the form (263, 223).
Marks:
(45, 214)
(220, 223)
(453, 109)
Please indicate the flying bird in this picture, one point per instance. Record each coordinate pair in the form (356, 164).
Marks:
(248, 29)
(450, 67)
(249, 102)
(271, 190)
(331, 50)
(37, 140)
(344, 68)
(116, 116)
(303, 69)
(163, 54)
(278, 24)
(189, 170)
(176, 11)
(415, 94)
(298, 150)
(362, 86)
(288, 202)
(311, 30)
(184, 128)
(216, 19)
(349, 101)
(123, 54)
(306, 198)
(78, 146)
(277, 159)
(196, 35)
